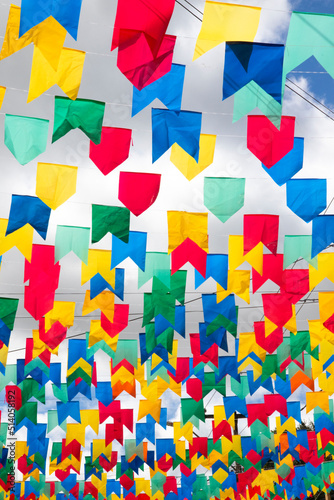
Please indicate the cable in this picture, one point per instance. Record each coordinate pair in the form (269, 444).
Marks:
(193, 6)
(321, 111)
(177, 1)
(310, 95)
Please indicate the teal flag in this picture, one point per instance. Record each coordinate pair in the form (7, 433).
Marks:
(296, 247)
(26, 137)
(72, 238)
(224, 196)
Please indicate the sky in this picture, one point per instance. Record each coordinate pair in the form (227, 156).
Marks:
(202, 92)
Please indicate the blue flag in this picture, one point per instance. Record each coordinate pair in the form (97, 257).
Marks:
(307, 198)
(258, 62)
(66, 13)
(28, 210)
(322, 233)
(169, 127)
(168, 89)
(135, 249)
(289, 165)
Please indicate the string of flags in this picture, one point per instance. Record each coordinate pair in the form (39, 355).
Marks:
(146, 431)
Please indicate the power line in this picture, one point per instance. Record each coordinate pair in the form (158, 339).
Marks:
(193, 6)
(177, 1)
(312, 104)
(310, 95)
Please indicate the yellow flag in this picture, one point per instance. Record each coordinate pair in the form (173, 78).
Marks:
(104, 301)
(325, 269)
(266, 480)
(183, 225)
(314, 399)
(236, 254)
(83, 364)
(257, 367)
(289, 425)
(67, 75)
(3, 354)
(62, 312)
(326, 304)
(186, 431)
(220, 475)
(21, 239)
(248, 345)
(186, 164)
(99, 448)
(77, 431)
(238, 283)
(180, 449)
(325, 383)
(220, 415)
(55, 184)
(97, 334)
(49, 36)
(2, 95)
(98, 263)
(149, 407)
(100, 484)
(40, 346)
(143, 486)
(318, 333)
(291, 324)
(224, 22)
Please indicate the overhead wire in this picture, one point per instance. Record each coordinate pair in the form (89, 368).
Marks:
(177, 1)
(310, 95)
(193, 6)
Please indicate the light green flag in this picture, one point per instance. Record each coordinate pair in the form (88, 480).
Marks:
(224, 196)
(240, 389)
(53, 421)
(309, 35)
(127, 349)
(296, 247)
(252, 96)
(26, 137)
(157, 482)
(72, 238)
(157, 264)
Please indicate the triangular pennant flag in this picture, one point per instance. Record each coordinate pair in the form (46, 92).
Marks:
(168, 89)
(26, 137)
(268, 143)
(55, 184)
(67, 14)
(114, 220)
(138, 191)
(181, 127)
(71, 238)
(67, 75)
(186, 164)
(224, 22)
(49, 36)
(112, 150)
(28, 210)
(85, 114)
